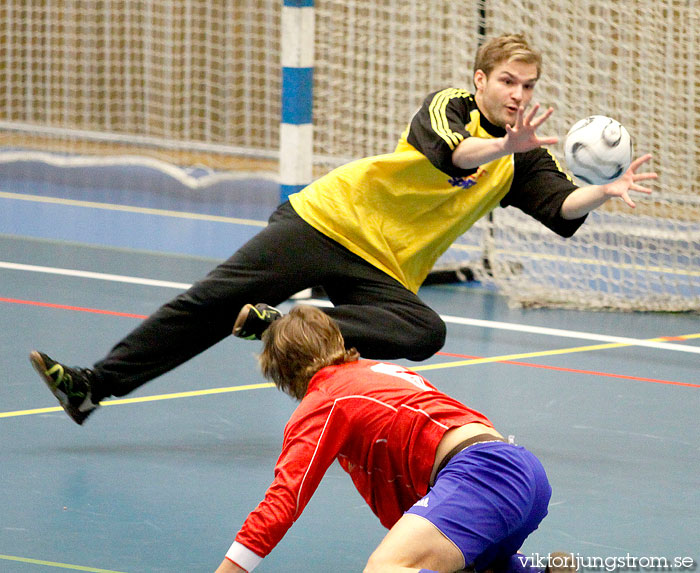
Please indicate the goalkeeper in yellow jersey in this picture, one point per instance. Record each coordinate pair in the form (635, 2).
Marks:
(368, 233)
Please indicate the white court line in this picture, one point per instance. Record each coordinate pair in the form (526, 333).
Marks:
(570, 334)
(316, 302)
(130, 209)
(91, 275)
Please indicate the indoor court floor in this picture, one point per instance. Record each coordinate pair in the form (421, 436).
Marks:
(162, 480)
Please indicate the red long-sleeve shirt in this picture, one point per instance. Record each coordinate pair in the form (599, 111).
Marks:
(381, 422)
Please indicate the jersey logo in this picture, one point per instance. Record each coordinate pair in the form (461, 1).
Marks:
(400, 372)
(469, 181)
(422, 502)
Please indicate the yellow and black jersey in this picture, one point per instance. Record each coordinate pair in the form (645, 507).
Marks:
(402, 210)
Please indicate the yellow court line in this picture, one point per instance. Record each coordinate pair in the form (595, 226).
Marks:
(508, 357)
(189, 394)
(473, 361)
(468, 362)
(120, 401)
(130, 209)
(54, 564)
(682, 337)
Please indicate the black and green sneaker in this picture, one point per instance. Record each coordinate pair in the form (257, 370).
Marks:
(71, 386)
(252, 321)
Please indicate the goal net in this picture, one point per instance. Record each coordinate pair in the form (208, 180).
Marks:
(198, 83)
(193, 82)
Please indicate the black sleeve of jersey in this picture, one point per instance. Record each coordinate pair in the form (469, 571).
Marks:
(439, 126)
(539, 189)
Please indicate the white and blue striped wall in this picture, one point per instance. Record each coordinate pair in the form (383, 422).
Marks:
(296, 130)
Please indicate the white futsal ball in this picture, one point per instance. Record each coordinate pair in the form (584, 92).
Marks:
(598, 149)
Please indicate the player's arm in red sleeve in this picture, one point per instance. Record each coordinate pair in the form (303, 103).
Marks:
(312, 440)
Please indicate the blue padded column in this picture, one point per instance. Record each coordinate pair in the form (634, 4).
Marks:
(296, 132)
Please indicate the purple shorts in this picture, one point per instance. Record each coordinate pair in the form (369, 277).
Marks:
(487, 500)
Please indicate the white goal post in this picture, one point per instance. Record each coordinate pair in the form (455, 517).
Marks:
(200, 83)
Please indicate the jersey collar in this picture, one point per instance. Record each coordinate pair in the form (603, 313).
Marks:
(489, 127)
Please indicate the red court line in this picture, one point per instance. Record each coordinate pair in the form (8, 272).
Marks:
(67, 307)
(578, 371)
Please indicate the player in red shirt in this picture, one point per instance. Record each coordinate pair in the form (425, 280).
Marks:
(452, 491)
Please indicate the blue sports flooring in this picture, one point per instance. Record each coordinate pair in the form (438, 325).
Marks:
(162, 480)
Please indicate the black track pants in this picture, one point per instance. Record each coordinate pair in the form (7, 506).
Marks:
(376, 314)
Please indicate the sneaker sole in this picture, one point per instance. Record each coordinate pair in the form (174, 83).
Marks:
(75, 414)
(240, 321)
